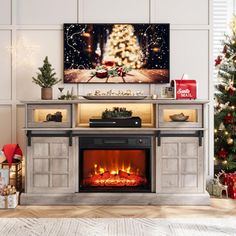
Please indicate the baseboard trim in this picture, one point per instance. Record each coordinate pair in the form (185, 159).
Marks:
(115, 199)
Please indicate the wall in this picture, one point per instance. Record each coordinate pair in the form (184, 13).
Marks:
(32, 29)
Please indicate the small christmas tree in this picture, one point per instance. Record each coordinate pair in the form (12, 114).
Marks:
(123, 48)
(46, 79)
(225, 106)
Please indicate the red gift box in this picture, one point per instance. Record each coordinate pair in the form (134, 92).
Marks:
(230, 181)
(184, 89)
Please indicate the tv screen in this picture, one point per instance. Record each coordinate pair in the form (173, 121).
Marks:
(116, 53)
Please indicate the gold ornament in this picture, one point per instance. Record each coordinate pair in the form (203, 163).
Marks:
(230, 141)
(225, 162)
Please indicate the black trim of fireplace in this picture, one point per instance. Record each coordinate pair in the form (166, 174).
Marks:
(125, 142)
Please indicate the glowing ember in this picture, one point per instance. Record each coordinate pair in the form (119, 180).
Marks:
(115, 178)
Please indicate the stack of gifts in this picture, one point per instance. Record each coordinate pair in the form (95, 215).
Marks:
(230, 181)
(8, 197)
(8, 194)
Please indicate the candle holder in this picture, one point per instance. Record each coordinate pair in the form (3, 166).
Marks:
(15, 173)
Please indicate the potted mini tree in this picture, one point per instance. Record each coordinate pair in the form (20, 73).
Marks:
(46, 79)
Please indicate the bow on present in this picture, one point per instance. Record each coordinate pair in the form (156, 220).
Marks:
(12, 151)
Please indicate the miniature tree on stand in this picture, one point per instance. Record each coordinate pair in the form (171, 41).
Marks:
(225, 106)
(46, 79)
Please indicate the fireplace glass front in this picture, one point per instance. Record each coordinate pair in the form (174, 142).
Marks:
(118, 164)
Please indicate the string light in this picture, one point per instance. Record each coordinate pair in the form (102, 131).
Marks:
(226, 133)
(224, 162)
(25, 52)
(122, 47)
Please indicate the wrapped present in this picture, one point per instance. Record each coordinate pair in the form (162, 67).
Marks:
(230, 181)
(2, 156)
(9, 201)
(8, 197)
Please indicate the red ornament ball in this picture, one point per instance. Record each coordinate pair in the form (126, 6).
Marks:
(222, 153)
(229, 119)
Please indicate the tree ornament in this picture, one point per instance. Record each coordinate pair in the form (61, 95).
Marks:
(231, 88)
(121, 72)
(222, 153)
(230, 141)
(225, 49)
(221, 126)
(231, 91)
(218, 60)
(229, 119)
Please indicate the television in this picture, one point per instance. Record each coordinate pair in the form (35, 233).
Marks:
(116, 53)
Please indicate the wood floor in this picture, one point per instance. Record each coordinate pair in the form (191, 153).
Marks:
(218, 208)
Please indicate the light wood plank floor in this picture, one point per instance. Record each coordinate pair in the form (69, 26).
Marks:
(218, 208)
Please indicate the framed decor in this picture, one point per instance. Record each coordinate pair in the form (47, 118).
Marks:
(116, 53)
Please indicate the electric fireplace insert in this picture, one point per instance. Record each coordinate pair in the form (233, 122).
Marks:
(115, 164)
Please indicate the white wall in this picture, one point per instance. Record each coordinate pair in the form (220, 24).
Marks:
(32, 29)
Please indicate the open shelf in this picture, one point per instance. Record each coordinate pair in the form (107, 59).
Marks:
(87, 111)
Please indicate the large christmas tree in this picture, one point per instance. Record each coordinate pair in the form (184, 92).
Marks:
(122, 47)
(225, 104)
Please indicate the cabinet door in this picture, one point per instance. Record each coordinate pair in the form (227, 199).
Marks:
(179, 165)
(50, 166)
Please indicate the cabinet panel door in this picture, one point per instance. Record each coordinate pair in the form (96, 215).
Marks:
(41, 180)
(50, 166)
(169, 181)
(60, 181)
(59, 165)
(179, 165)
(170, 165)
(40, 165)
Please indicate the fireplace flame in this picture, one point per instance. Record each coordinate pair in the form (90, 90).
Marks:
(115, 171)
(124, 175)
(101, 170)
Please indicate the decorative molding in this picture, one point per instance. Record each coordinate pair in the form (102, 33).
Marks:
(153, 5)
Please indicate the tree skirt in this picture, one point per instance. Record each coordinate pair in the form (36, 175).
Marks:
(117, 227)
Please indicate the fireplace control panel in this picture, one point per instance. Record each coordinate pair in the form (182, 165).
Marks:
(111, 141)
